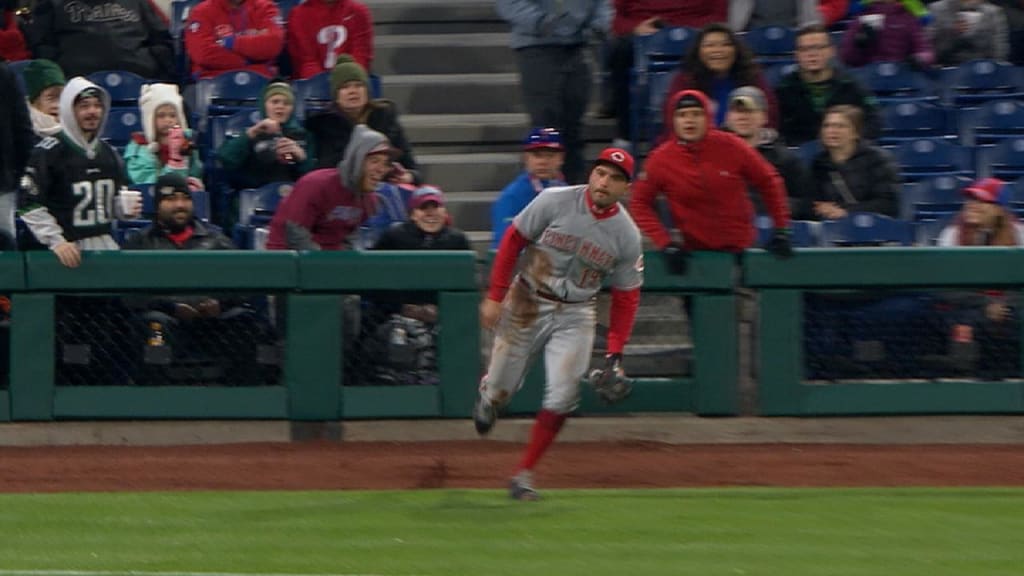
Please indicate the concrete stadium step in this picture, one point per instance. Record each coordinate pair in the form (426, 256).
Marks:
(487, 128)
(471, 210)
(445, 93)
(420, 12)
(470, 53)
(468, 171)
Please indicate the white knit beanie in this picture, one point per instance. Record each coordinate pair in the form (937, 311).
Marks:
(153, 96)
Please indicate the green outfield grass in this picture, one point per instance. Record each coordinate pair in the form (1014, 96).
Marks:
(729, 532)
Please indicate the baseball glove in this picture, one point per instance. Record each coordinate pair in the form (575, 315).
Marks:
(610, 383)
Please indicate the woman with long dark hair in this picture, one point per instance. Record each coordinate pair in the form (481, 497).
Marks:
(718, 63)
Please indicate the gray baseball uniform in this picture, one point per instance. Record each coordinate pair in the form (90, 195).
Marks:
(551, 302)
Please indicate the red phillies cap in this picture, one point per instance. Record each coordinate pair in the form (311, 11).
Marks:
(619, 158)
(992, 190)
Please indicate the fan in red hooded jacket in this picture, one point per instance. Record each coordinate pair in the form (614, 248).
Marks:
(224, 35)
(12, 42)
(704, 173)
(320, 30)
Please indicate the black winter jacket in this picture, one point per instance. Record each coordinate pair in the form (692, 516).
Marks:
(408, 236)
(800, 112)
(868, 182)
(331, 130)
(86, 36)
(203, 238)
(16, 136)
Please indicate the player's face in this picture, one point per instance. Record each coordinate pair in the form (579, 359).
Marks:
(814, 52)
(837, 132)
(690, 124)
(544, 163)
(48, 101)
(745, 122)
(717, 52)
(175, 211)
(375, 167)
(352, 97)
(607, 185)
(88, 113)
(165, 118)
(430, 217)
(279, 108)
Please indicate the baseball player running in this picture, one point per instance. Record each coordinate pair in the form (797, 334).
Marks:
(571, 239)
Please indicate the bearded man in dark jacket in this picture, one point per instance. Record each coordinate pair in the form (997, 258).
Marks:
(86, 36)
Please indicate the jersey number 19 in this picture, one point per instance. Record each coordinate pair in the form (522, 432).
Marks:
(95, 201)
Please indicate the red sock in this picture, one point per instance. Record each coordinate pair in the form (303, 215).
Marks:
(545, 428)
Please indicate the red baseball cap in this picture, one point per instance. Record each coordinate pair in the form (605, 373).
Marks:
(991, 190)
(619, 158)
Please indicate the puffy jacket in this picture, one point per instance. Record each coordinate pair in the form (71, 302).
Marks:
(332, 129)
(900, 38)
(408, 236)
(800, 113)
(143, 164)
(86, 36)
(794, 174)
(705, 183)
(630, 13)
(203, 238)
(870, 177)
(220, 37)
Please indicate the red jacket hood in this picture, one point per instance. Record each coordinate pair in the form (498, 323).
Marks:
(705, 101)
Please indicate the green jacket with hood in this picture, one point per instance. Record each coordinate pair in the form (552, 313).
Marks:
(248, 170)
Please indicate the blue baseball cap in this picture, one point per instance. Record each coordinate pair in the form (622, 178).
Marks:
(543, 138)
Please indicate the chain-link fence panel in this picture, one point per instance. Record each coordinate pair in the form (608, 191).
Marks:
(166, 341)
(911, 335)
(389, 342)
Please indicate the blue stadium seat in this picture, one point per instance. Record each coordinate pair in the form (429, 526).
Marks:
(980, 81)
(896, 82)
(228, 93)
(805, 234)
(256, 207)
(995, 120)
(933, 197)
(652, 118)
(808, 150)
(913, 120)
(121, 122)
(312, 94)
(668, 44)
(1005, 159)
(926, 232)
(18, 67)
(123, 86)
(224, 127)
(772, 44)
(867, 229)
(774, 72)
(927, 157)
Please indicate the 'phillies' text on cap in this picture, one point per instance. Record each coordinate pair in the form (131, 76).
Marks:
(619, 158)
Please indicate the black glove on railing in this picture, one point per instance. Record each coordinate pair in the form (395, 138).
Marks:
(780, 245)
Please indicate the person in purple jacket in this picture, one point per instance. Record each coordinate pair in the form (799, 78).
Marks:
(886, 32)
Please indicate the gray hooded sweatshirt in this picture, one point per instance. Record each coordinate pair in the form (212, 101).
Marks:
(69, 190)
(328, 205)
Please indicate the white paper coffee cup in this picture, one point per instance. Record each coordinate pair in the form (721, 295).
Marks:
(131, 202)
